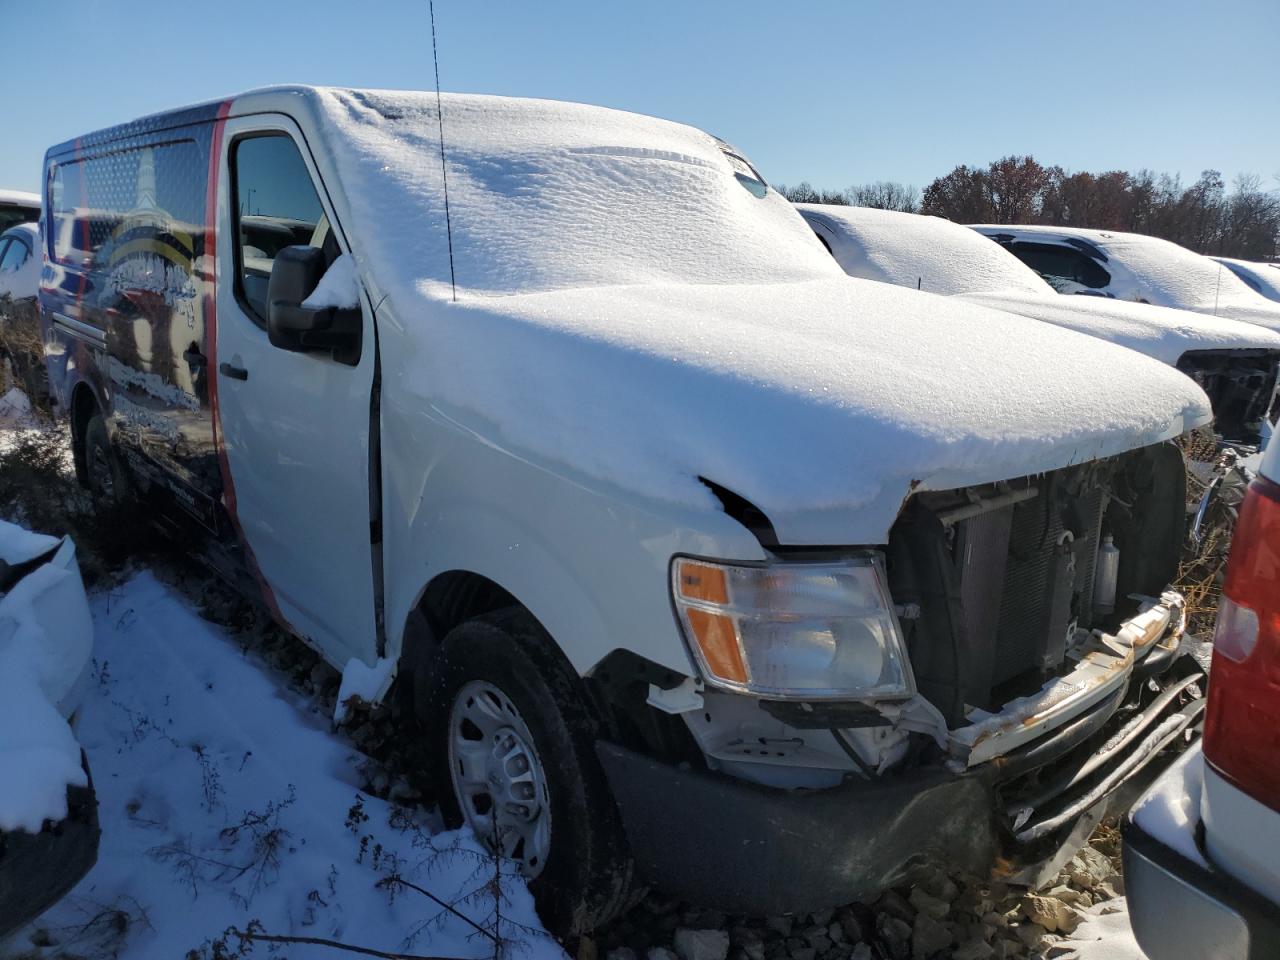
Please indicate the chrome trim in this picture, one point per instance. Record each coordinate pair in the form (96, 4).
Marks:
(80, 330)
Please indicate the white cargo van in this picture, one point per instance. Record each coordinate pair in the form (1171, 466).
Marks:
(701, 563)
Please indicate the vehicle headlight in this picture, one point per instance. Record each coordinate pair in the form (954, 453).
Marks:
(795, 630)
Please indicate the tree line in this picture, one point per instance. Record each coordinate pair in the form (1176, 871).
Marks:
(1206, 216)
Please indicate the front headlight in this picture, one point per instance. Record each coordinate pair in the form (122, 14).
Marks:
(797, 630)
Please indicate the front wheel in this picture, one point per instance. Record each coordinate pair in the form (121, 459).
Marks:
(516, 746)
(104, 473)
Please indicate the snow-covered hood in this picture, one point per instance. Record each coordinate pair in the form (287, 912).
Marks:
(825, 403)
(1159, 332)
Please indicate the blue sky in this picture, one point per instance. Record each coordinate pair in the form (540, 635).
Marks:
(836, 93)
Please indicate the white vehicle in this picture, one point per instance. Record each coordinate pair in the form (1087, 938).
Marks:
(701, 563)
(1132, 266)
(18, 206)
(48, 811)
(1263, 278)
(1202, 847)
(1236, 363)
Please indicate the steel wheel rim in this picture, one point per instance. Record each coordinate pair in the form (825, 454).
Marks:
(497, 776)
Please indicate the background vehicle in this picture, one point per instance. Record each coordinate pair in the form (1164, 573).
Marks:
(17, 206)
(1202, 848)
(699, 561)
(1236, 363)
(1131, 266)
(1263, 278)
(48, 812)
(20, 341)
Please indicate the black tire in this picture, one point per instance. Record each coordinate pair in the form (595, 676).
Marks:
(104, 474)
(587, 876)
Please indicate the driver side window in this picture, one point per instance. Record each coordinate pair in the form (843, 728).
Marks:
(276, 206)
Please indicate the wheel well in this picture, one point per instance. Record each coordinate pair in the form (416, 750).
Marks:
(83, 407)
(448, 600)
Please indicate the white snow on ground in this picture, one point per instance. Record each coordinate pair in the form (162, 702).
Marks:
(337, 288)
(1105, 934)
(15, 409)
(189, 737)
(45, 638)
(363, 682)
(953, 260)
(1158, 271)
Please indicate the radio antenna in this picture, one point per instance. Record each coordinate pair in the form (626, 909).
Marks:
(444, 170)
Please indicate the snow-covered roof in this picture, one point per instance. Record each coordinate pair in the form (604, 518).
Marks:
(546, 195)
(20, 198)
(1261, 277)
(634, 308)
(1157, 271)
(947, 258)
(910, 250)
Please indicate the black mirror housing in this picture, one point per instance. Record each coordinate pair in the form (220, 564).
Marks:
(295, 274)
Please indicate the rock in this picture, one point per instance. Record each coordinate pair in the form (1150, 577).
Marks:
(925, 903)
(895, 934)
(587, 949)
(893, 904)
(779, 925)
(701, 944)
(660, 953)
(973, 950)
(835, 933)
(1071, 896)
(1088, 868)
(1050, 913)
(621, 953)
(821, 918)
(851, 926)
(803, 953)
(818, 939)
(928, 937)
(861, 952)
(1030, 934)
(753, 950)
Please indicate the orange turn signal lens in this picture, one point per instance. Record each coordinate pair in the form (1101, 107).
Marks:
(701, 581)
(717, 638)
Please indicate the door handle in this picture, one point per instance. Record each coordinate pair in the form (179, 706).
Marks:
(232, 371)
(195, 359)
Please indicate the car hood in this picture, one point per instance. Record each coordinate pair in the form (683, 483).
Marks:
(823, 402)
(1159, 332)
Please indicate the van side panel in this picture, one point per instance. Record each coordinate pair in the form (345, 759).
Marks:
(123, 301)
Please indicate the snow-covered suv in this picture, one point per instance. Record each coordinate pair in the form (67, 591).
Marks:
(1236, 363)
(1202, 850)
(701, 563)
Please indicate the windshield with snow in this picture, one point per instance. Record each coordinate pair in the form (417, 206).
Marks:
(545, 195)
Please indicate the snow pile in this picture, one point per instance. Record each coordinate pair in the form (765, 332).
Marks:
(45, 643)
(225, 799)
(1261, 277)
(337, 288)
(647, 285)
(924, 253)
(1152, 270)
(363, 682)
(546, 195)
(15, 409)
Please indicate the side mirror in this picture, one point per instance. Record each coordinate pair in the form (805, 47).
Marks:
(295, 273)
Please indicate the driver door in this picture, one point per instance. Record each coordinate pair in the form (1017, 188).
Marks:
(295, 427)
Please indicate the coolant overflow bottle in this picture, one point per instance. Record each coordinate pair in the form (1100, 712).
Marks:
(1105, 574)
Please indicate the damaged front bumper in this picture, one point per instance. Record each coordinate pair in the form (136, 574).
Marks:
(1015, 794)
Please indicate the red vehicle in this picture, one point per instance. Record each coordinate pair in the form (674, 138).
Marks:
(1202, 853)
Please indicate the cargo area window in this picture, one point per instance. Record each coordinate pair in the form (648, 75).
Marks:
(1062, 266)
(276, 206)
